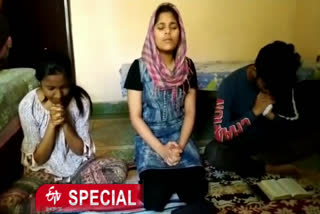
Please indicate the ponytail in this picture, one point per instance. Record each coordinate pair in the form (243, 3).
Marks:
(78, 93)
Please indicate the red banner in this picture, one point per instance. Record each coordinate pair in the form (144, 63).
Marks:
(88, 197)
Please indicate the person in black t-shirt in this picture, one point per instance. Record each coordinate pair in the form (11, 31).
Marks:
(161, 97)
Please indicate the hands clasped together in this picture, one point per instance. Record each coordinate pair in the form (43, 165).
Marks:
(57, 115)
(171, 153)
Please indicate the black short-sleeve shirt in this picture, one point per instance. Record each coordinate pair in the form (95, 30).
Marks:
(133, 80)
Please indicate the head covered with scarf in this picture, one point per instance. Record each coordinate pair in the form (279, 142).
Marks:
(162, 78)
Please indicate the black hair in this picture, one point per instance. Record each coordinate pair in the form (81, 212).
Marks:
(55, 63)
(4, 30)
(277, 64)
(166, 7)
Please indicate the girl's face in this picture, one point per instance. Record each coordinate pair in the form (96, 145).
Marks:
(55, 88)
(166, 32)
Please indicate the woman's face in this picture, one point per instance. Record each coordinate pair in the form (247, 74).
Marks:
(166, 32)
(55, 88)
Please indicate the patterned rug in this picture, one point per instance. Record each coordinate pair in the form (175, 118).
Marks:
(233, 194)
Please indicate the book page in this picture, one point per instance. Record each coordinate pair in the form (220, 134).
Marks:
(273, 190)
(291, 186)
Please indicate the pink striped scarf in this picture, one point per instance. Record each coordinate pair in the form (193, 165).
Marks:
(162, 78)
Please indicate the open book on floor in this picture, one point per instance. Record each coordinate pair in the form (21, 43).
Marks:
(284, 188)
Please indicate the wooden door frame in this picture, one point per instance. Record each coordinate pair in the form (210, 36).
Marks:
(68, 26)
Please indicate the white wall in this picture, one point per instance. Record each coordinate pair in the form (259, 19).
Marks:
(107, 33)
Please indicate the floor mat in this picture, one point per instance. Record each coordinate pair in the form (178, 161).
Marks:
(233, 194)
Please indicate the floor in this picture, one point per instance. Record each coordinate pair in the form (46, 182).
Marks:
(113, 136)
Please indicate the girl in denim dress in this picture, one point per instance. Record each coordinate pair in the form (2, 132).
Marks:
(162, 103)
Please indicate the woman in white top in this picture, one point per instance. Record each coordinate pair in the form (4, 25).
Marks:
(55, 123)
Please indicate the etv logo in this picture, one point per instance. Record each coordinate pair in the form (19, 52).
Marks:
(55, 196)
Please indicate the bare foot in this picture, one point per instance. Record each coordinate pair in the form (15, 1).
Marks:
(283, 169)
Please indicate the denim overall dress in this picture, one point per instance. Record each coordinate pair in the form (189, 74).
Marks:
(165, 121)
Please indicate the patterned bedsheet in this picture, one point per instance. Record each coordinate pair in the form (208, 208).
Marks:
(232, 194)
(14, 84)
(210, 74)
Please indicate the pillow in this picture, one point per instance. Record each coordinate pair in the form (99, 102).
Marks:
(101, 171)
